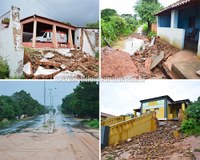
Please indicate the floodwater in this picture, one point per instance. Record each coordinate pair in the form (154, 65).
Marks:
(130, 45)
(19, 126)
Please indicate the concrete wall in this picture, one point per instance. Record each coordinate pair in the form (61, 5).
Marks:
(11, 48)
(122, 131)
(112, 120)
(174, 36)
(86, 40)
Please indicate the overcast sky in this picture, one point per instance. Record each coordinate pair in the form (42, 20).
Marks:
(126, 6)
(121, 98)
(76, 12)
(36, 89)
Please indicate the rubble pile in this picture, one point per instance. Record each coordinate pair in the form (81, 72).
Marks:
(114, 61)
(160, 144)
(46, 64)
(117, 64)
(142, 57)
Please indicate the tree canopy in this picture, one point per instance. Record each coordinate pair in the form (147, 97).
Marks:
(93, 24)
(20, 103)
(84, 101)
(146, 10)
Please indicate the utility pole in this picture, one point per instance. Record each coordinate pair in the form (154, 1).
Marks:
(44, 102)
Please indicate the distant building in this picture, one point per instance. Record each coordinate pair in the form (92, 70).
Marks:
(105, 115)
(179, 24)
(164, 106)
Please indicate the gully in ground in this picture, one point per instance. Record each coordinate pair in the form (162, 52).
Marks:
(58, 134)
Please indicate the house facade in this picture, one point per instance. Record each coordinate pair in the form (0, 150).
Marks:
(164, 106)
(179, 24)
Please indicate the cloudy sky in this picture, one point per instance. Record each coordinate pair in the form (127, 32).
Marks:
(36, 89)
(126, 6)
(121, 98)
(76, 12)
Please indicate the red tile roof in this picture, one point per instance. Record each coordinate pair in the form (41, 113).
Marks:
(176, 5)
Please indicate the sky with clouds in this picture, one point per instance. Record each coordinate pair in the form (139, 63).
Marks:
(59, 89)
(121, 98)
(77, 12)
(126, 6)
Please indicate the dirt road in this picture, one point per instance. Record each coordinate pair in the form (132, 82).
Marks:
(61, 145)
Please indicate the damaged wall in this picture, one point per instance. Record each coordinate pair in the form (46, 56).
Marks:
(11, 48)
(174, 36)
(87, 40)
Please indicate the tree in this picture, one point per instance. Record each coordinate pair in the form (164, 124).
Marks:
(93, 24)
(107, 13)
(84, 101)
(146, 10)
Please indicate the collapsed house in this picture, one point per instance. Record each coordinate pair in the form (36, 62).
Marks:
(49, 38)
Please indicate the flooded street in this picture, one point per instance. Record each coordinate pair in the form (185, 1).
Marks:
(129, 45)
(20, 126)
(69, 141)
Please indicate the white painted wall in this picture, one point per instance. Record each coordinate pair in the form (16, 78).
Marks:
(174, 19)
(198, 51)
(86, 46)
(11, 48)
(174, 36)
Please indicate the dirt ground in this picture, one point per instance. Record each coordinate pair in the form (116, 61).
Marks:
(60, 145)
(163, 144)
(116, 63)
(75, 61)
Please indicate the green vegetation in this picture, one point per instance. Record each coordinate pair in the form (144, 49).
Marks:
(191, 125)
(20, 103)
(83, 102)
(93, 25)
(4, 69)
(114, 26)
(6, 21)
(151, 34)
(93, 123)
(146, 10)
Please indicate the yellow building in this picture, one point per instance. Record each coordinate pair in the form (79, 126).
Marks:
(164, 106)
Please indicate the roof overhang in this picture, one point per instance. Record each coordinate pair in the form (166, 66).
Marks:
(179, 5)
(46, 21)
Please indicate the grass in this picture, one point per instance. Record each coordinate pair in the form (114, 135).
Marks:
(4, 69)
(92, 123)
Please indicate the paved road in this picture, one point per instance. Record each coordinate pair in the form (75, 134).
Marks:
(70, 141)
(19, 126)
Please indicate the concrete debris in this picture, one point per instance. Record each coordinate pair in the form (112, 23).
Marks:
(198, 72)
(157, 60)
(86, 64)
(41, 72)
(64, 75)
(160, 144)
(28, 69)
(49, 55)
(152, 41)
(64, 52)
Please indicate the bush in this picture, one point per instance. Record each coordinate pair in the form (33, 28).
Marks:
(4, 69)
(145, 28)
(190, 127)
(193, 111)
(94, 123)
(151, 34)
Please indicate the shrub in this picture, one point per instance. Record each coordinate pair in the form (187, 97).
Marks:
(193, 111)
(145, 28)
(4, 69)
(190, 127)
(151, 34)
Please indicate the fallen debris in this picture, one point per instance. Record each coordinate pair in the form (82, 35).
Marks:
(198, 72)
(49, 55)
(41, 72)
(157, 60)
(160, 144)
(69, 60)
(28, 70)
(69, 75)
